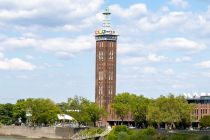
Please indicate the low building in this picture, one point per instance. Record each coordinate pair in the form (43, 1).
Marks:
(202, 107)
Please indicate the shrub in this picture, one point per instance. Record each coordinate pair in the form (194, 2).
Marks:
(120, 128)
(177, 137)
(111, 137)
(123, 136)
(150, 131)
(205, 137)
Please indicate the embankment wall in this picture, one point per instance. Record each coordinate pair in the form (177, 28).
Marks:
(39, 132)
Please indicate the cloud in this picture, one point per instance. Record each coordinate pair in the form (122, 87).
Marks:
(179, 3)
(183, 59)
(57, 45)
(182, 43)
(155, 58)
(158, 22)
(126, 48)
(139, 60)
(15, 64)
(47, 12)
(150, 70)
(204, 64)
(169, 72)
(134, 10)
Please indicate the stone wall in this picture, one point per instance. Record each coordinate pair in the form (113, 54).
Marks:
(39, 132)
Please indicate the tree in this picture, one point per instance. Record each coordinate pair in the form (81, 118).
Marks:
(121, 105)
(139, 109)
(44, 111)
(6, 113)
(154, 113)
(169, 110)
(20, 110)
(205, 121)
(76, 108)
(94, 112)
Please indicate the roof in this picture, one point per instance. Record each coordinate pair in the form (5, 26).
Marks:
(65, 117)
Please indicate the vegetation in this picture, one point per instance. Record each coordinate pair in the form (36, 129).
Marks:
(123, 133)
(122, 105)
(168, 110)
(205, 121)
(91, 131)
(172, 111)
(83, 110)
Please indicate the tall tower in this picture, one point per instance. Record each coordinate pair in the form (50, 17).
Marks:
(106, 51)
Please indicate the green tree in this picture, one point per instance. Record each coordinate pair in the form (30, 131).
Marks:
(44, 111)
(154, 113)
(139, 109)
(94, 112)
(6, 113)
(169, 110)
(121, 105)
(76, 108)
(205, 121)
(20, 110)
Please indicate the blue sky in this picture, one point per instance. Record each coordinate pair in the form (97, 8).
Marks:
(47, 48)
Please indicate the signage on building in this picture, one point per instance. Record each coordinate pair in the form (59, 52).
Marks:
(104, 32)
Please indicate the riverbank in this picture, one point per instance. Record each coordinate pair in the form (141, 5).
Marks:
(39, 132)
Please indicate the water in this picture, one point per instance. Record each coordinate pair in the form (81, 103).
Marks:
(19, 138)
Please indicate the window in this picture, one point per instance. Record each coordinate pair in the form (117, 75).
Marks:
(111, 54)
(100, 77)
(100, 55)
(110, 75)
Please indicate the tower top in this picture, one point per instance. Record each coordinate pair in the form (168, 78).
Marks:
(107, 19)
(106, 27)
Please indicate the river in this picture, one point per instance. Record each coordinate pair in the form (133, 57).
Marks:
(19, 138)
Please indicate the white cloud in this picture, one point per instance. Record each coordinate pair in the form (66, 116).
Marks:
(56, 45)
(13, 43)
(157, 22)
(15, 64)
(169, 72)
(182, 43)
(204, 64)
(132, 60)
(126, 48)
(156, 58)
(133, 11)
(56, 13)
(150, 70)
(183, 59)
(140, 60)
(180, 3)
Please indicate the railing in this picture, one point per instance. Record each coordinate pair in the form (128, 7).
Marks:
(83, 137)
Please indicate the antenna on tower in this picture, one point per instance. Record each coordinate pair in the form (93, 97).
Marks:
(106, 21)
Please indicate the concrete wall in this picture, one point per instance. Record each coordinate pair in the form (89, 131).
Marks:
(39, 132)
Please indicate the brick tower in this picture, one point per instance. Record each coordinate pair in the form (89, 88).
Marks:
(106, 51)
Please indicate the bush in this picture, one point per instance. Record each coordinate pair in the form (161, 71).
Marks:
(111, 137)
(177, 137)
(123, 136)
(120, 128)
(150, 131)
(205, 137)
